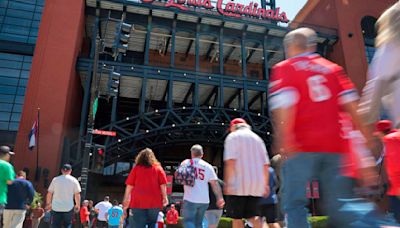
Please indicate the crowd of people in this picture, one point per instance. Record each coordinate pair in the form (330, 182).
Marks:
(322, 131)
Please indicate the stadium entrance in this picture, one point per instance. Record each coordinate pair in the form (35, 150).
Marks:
(167, 78)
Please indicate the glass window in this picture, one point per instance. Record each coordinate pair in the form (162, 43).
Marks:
(8, 90)
(5, 107)
(3, 125)
(17, 108)
(16, 117)
(5, 116)
(5, 72)
(14, 126)
(19, 99)
(6, 98)
(8, 81)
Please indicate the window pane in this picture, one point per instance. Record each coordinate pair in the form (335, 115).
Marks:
(16, 117)
(3, 125)
(17, 108)
(8, 81)
(5, 116)
(8, 90)
(5, 107)
(6, 98)
(19, 99)
(14, 126)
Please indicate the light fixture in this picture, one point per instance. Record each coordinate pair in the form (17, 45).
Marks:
(259, 114)
(198, 123)
(156, 110)
(119, 140)
(209, 107)
(209, 77)
(268, 133)
(127, 118)
(90, 154)
(132, 68)
(234, 80)
(234, 109)
(158, 71)
(184, 74)
(173, 125)
(147, 131)
(183, 107)
(222, 124)
(257, 83)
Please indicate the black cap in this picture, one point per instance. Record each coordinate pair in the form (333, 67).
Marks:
(67, 167)
(6, 150)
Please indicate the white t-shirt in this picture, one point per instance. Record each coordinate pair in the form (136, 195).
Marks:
(103, 208)
(63, 188)
(250, 154)
(205, 173)
(160, 217)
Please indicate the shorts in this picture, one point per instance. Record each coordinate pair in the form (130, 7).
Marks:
(85, 224)
(213, 216)
(270, 212)
(238, 207)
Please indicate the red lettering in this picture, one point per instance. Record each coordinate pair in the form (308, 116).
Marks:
(207, 4)
(239, 8)
(269, 14)
(283, 17)
(255, 9)
(147, 1)
(276, 17)
(260, 12)
(230, 7)
(199, 173)
(171, 3)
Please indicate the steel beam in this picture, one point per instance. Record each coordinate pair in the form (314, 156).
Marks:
(173, 36)
(266, 59)
(232, 98)
(190, 91)
(221, 49)
(147, 43)
(142, 102)
(197, 47)
(255, 98)
(213, 92)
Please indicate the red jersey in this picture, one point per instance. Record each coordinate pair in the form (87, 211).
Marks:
(172, 216)
(315, 87)
(392, 158)
(146, 182)
(84, 214)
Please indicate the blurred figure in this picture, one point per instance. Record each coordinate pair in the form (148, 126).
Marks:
(20, 196)
(305, 88)
(146, 190)
(384, 87)
(196, 199)
(101, 210)
(246, 175)
(92, 215)
(269, 208)
(276, 164)
(84, 214)
(37, 215)
(6, 177)
(60, 197)
(172, 216)
(391, 141)
(160, 220)
(115, 216)
(213, 213)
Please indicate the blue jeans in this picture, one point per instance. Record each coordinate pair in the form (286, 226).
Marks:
(143, 217)
(60, 219)
(296, 172)
(193, 214)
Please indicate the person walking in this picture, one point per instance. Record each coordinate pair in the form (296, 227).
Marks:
(196, 199)
(145, 191)
(6, 177)
(303, 89)
(92, 215)
(160, 220)
(102, 209)
(391, 141)
(84, 214)
(383, 87)
(115, 216)
(37, 215)
(246, 175)
(269, 205)
(214, 213)
(62, 192)
(172, 216)
(19, 197)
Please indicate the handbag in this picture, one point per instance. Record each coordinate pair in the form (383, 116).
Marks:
(185, 174)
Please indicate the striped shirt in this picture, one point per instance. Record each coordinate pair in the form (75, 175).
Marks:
(250, 154)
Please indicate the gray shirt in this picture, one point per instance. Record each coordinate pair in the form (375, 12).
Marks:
(64, 188)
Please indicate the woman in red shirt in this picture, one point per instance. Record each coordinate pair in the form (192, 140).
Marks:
(148, 183)
(84, 214)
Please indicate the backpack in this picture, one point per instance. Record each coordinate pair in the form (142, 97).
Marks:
(185, 174)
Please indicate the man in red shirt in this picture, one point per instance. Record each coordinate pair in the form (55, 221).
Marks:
(84, 214)
(307, 93)
(391, 141)
(172, 216)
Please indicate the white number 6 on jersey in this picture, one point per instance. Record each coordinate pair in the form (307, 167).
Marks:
(317, 90)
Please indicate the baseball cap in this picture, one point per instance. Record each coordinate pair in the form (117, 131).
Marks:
(383, 125)
(67, 167)
(6, 150)
(238, 121)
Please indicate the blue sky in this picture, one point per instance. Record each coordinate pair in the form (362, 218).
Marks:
(291, 7)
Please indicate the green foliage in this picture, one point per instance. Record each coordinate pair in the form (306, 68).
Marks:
(36, 200)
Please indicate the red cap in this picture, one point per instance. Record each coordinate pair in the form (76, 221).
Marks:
(383, 125)
(238, 121)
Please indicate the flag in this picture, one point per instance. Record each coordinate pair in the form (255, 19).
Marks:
(33, 135)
